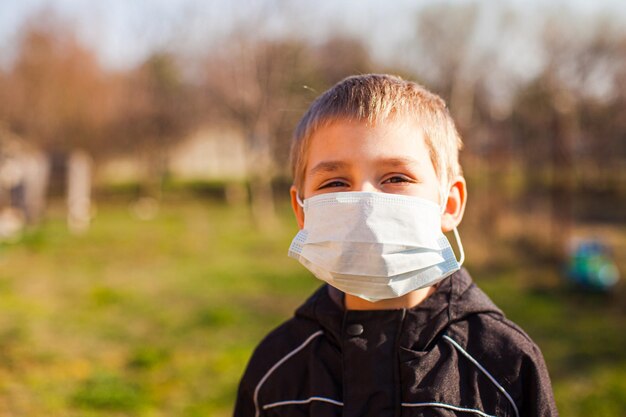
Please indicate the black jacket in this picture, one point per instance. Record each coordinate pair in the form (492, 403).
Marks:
(453, 355)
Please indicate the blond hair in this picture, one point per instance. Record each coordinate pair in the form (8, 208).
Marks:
(378, 98)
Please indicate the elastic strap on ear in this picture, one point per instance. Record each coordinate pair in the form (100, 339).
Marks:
(444, 200)
(460, 246)
(300, 203)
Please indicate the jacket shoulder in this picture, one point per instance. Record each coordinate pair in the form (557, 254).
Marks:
(510, 357)
(279, 343)
(276, 348)
(493, 334)
(481, 326)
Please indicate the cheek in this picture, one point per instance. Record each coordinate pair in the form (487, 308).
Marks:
(306, 190)
(430, 191)
(430, 187)
(437, 189)
(303, 187)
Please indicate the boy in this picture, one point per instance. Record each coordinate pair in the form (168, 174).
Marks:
(399, 329)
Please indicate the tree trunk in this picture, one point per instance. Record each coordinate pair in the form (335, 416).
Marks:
(236, 193)
(261, 193)
(563, 183)
(155, 172)
(36, 176)
(79, 169)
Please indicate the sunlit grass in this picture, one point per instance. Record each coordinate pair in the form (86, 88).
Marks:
(159, 317)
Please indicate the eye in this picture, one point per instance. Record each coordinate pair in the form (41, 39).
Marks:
(398, 179)
(333, 184)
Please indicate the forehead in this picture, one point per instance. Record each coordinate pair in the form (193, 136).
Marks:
(354, 140)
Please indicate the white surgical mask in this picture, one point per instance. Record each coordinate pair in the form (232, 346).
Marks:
(374, 245)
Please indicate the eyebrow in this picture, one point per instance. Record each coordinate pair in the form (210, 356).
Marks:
(395, 162)
(328, 166)
(334, 166)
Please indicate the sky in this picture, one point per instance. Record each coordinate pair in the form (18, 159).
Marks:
(123, 32)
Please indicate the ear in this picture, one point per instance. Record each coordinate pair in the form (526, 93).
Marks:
(297, 210)
(455, 206)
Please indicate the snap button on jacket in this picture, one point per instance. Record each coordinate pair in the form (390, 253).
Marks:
(455, 354)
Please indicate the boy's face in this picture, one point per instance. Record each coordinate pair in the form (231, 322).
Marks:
(389, 158)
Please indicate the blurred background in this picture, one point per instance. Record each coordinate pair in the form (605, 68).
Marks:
(144, 219)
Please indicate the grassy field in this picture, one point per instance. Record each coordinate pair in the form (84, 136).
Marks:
(159, 317)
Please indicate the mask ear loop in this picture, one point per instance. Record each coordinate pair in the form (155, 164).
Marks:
(300, 203)
(456, 232)
(459, 245)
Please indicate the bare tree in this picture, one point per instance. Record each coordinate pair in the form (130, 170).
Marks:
(339, 57)
(254, 83)
(156, 111)
(563, 118)
(446, 52)
(58, 94)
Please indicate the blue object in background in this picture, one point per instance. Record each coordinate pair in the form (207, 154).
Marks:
(591, 266)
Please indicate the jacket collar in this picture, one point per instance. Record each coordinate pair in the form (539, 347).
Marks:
(456, 297)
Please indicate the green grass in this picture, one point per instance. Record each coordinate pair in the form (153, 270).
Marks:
(159, 317)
